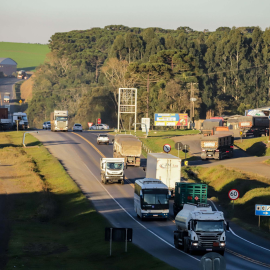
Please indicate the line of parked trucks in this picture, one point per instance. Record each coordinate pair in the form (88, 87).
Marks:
(10, 121)
(198, 227)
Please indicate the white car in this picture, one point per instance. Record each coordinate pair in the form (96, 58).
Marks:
(103, 138)
(77, 127)
(99, 127)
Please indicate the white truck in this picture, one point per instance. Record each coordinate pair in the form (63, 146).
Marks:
(199, 228)
(103, 138)
(6, 97)
(164, 167)
(22, 120)
(112, 170)
(59, 121)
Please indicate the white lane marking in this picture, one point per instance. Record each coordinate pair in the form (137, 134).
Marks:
(240, 236)
(137, 220)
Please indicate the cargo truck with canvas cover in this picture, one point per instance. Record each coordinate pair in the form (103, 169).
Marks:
(151, 199)
(59, 121)
(188, 193)
(217, 146)
(199, 228)
(209, 124)
(254, 125)
(128, 147)
(164, 167)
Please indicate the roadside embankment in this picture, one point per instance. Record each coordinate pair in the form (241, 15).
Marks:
(253, 190)
(255, 146)
(53, 225)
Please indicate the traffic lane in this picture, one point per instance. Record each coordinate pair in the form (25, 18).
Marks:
(6, 85)
(159, 228)
(81, 163)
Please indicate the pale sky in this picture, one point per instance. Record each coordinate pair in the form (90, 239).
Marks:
(35, 21)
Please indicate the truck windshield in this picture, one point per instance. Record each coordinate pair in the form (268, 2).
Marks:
(24, 118)
(155, 196)
(115, 166)
(208, 226)
(61, 118)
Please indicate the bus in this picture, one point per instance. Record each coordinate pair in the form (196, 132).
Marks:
(151, 199)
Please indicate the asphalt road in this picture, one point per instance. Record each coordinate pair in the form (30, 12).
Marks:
(6, 85)
(80, 156)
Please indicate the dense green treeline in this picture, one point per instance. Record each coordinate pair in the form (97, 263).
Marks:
(226, 70)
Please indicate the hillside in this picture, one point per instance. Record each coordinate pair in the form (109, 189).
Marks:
(28, 56)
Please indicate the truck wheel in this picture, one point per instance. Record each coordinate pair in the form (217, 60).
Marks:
(105, 182)
(176, 243)
(186, 244)
(122, 182)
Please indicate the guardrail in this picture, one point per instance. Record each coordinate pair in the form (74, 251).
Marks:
(24, 137)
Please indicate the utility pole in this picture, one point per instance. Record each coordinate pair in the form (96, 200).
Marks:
(147, 110)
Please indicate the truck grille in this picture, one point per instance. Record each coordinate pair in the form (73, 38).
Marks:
(207, 240)
(61, 124)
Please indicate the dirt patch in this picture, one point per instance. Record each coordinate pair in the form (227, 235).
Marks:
(27, 89)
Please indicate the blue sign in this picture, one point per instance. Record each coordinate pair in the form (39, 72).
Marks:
(262, 210)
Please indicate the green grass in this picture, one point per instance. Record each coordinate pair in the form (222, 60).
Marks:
(255, 146)
(54, 226)
(267, 161)
(253, 190)
(156, 139)
(28, 56)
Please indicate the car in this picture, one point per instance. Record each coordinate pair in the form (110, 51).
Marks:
(103, 138)
(46, 125)
(99, 127)
(77, 127)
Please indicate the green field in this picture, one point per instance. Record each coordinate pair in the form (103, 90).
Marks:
(28, 56)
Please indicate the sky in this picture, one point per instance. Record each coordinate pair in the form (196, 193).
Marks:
(35, 21)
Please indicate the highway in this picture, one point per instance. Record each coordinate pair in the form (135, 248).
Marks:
(80, 156)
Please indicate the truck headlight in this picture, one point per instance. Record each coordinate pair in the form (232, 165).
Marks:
(223, 244)
(195, 244)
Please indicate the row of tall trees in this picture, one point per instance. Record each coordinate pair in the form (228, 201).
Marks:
(226, 70)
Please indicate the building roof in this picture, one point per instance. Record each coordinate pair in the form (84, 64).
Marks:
(7, 61)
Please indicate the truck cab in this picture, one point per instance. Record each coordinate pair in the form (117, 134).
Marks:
(112, 170)
(199, 228)
(6, 97)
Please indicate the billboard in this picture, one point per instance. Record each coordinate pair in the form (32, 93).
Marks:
(145, 121)
(171, 119)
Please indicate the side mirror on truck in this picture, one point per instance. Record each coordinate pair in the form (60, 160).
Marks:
(227, 226)
(141, 195)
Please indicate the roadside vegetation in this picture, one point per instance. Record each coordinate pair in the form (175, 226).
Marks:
(157, 138)
(28, 56)
(53, 225)
(255, 146)
(18, 89)
(253, 190)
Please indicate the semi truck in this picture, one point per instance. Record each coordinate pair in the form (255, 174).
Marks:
(217, 146)
(59, 120)
(21, 74)
(128, 147)
(199, 228)
(188, 193)
(112, 170)
(22, 120)
(164, 167)
(209, 124)
(254, 125)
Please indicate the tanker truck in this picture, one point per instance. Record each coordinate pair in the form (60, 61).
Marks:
(199, 228)
(129, 148)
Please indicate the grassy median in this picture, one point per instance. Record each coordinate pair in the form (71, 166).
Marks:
(255, 146)
(53, 225)
(253, 190)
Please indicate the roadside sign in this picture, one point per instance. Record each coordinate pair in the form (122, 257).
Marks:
(145, 121)
(233, 194)
(193, 99)
(20, 102)
(167, 148)
(178, 146)
(185, 148)
(90, 124)
(262, 210)
(99, 121)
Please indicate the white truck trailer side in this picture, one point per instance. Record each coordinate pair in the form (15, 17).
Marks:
(164, 167)
(199, 228)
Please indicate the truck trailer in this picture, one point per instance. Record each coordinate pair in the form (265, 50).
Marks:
(199, 228)
(209, 124)
(59, 121)
(217, 146)
(188, 193)
(254, 125)
(164, 167)
(128, 147)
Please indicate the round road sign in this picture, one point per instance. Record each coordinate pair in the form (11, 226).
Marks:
(166, 148)
(233, 194)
